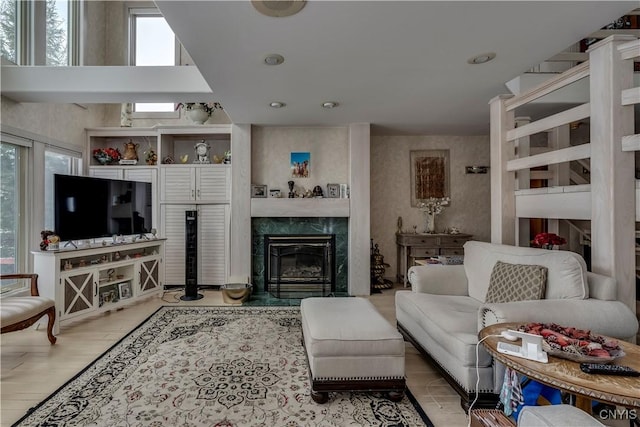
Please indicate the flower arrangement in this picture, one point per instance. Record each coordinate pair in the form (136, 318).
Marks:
(547, 240)
(106, 156)
(433, 205)
(208, 107)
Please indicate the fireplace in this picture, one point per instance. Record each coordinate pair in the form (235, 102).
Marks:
(299, 265)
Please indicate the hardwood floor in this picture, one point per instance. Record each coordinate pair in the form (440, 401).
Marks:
(31, 368)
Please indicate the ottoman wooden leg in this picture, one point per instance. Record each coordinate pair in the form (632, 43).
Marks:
(319, 397)
(395, 396)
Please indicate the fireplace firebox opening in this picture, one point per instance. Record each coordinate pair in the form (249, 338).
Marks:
(300, 265)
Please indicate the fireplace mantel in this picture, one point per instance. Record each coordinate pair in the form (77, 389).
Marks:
(324, 207)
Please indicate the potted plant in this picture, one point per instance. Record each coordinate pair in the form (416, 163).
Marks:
(199, 112)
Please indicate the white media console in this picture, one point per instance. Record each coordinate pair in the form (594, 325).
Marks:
(90, 280)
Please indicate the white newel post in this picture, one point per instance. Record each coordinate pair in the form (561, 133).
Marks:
(503, 206)
(612, 170)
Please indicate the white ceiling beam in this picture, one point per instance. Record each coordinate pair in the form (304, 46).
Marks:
(114, 84)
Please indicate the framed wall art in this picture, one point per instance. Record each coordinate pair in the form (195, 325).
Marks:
(300, 165)
(429, 175)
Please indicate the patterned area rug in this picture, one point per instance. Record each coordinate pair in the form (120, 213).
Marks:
(212, 366)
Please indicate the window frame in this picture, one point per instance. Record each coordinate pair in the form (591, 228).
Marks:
(25, 186)
(75, 167)
(133, 12)
(31, 33)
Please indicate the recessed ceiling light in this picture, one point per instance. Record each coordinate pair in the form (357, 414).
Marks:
(273, 59)
(482, 58)
(279, 8)
(329, 104)
(277, 104)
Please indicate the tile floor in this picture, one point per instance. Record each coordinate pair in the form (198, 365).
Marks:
(31, 369)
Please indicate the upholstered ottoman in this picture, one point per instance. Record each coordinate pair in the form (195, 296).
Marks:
(351, 347)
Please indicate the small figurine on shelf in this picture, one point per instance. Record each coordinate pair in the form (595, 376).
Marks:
(202, 152)
(227, 157)
(68, 265)
(49, 240)
(130, 156)
(291, 193)
(151, 157)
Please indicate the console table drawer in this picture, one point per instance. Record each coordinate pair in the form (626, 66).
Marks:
(452, 251)
(419, 240)
(453, 242)
(417, 252)
(412, 246)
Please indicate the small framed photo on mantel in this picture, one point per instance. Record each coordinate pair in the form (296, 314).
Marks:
(275, 193)
(333, 191)
(258, 191)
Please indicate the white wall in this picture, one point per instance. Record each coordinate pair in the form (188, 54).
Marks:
(272, 148)
(391, 193)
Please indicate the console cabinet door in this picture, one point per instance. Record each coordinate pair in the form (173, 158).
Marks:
(149, 275)
(172, 218)
(213, 241)
(212, 185)
(78, 292)
(177, 184)
(141, 174)
(106, 172)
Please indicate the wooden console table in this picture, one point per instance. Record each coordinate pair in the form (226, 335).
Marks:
(566, 375)
(411, 246)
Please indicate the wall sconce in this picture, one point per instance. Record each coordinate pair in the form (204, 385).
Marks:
(476, 169)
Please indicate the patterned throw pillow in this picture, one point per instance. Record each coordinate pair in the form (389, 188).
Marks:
(516, 282)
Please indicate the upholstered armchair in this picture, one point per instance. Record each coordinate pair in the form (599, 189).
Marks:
(21, 312)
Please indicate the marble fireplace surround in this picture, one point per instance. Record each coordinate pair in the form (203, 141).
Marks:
(339, 226)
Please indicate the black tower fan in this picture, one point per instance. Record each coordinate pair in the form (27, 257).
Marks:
(191, 257)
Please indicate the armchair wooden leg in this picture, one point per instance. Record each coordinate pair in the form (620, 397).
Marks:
(51, 312)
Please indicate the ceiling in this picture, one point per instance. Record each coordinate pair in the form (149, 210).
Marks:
(401, 66)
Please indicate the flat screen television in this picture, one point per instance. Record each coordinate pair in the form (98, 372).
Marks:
(88, 207)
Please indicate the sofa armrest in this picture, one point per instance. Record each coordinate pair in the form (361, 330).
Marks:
(601, 287)
(439, 279)
(611, 318)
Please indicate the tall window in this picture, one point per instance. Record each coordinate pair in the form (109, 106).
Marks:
(56, 163)
(34, 32)
(8, 30)
(57, 32)
(152, 43)
(11, 222)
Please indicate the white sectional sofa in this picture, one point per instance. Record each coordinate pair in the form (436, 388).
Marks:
(445, 309)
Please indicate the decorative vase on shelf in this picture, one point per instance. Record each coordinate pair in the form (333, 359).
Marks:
(431, 223)
(197, 114)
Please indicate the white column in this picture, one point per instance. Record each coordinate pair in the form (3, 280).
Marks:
(359, 209)
(240, 251)
(503, 206)
(612, 170)
(522, 148)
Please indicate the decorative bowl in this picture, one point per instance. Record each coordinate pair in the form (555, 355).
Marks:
(581, 358)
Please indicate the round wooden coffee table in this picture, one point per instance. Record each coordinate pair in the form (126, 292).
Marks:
(566, 375)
